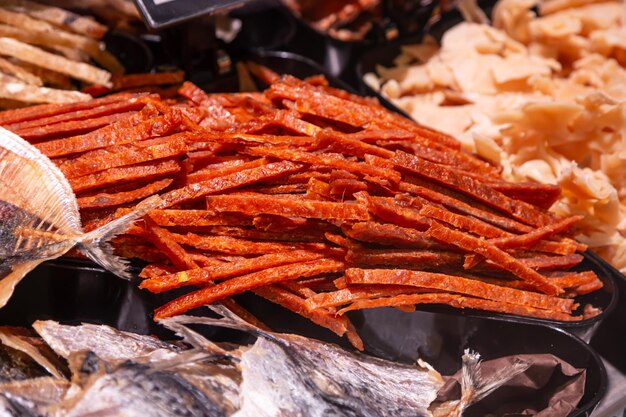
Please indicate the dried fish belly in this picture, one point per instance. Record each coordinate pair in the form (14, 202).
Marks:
(40, 218)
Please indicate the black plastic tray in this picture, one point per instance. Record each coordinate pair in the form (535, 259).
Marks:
(76, 291)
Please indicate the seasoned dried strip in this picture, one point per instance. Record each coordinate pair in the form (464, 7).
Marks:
(537, 194)
(197, 218)
(456, 205)
(132, 103)
(530, 240)
(124, 155)
(219, 118)
(37, 56)
(406, 258)
(571, 280)
(456, 284)
(156, 270)
(236, 246)
(544, 263)
(386, 208)
(288, 140)
(468, 223)
(247, 282)
(494, 254)
(204, 276)
(72, 127)
(460, 301)
(14, 89)
(344, 143)
(122, 82)
(224, 169)
(123, 174)
(355, 293)
(164, 240)
(230, 181)
(138, 127)
(83, 25)
(390, 234)
(329, 160)
(19, 73)
(262, 72)
(261, 204)
(520, 210)
(47, 110)
(102, 200)
(250, 233)
(322, 317)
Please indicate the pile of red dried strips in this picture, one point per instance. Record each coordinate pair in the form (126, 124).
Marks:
(315, 199)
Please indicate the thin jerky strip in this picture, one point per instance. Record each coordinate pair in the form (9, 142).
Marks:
(451, 283)
(339, 142)
(236, 246)
(123, 174)
(326, 160)
(321, 317)
(406, 258)
(355, 293)
(102, 200)
(247, 282)
(390, 234)
(214, 172)
(468, 223)
(72, 127)
(138, 127)
(226, 182)
(134, 103)
(387, 209)
(460, 301)
(124, 155)
(197, 218)
(204, 276)
(494, 254)
(456, 205)
(48, 110)
(540, 195)
(518, 209)
(531, 239)
(252, 205)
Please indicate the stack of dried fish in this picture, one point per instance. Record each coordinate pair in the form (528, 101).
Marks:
(118, 373)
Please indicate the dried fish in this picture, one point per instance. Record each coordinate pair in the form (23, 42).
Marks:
(40, 218)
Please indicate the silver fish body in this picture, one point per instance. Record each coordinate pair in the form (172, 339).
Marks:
(39, 217)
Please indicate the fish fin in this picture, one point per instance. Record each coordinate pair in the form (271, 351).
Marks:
(474, 387)
(22, 170)
(95, 243)
(9, 282)
(190, 336)
(41, 353)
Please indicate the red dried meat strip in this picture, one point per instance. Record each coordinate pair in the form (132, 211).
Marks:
(204, 276)
(321, 317)
(386, 208)
(197, 218)
(41, 111)
(236, 246)
(355, 293)
(138, 127)
(468, 223)
(225, 168)
(406, 258)
(71, 128)
(218, 117)
(459, 206)
(156, 270)
(250, 233)
(247, 282)
(530, 240)
(164, 240)
(456, 284)
(229, 181)
(329, 160)
(540, 195)
(494, 254)
(518, 209)
(112, 176)
(344, 143)
(124, 155)
(390, 234)
(460, 301)
(260, 204)
(102, 200)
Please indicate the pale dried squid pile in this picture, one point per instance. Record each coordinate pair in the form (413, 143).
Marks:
(541, 90)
